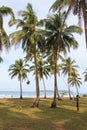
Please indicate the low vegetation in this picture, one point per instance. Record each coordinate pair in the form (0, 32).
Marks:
(16, 114)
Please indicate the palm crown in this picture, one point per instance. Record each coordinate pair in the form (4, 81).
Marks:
(4, 39)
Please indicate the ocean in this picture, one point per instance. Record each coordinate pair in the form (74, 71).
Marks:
(25, 94)
(29, 94)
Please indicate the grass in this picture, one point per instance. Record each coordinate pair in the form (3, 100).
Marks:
(16, 114)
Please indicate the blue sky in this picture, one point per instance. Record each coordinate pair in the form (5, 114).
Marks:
(41, 8)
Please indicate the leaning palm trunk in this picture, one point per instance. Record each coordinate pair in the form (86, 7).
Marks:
(44, 88)
(20, 88)
(36, 102)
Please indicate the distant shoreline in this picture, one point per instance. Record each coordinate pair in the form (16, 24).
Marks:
(32, 94)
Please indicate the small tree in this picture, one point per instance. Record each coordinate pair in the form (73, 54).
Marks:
(68, 68)
(19, 69)
(42, 68)
(75, 80)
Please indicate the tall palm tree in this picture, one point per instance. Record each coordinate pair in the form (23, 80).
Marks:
(75, 80)
(27, 36)
(79, 7)
(4, 39)
(59, 38)
(19, 69)
(68, 68)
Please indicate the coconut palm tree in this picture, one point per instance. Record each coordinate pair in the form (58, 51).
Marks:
(68, 68)
(59, 39)
(43, 70)
(79, 8)
(51, 65)
(4, 39)
(28, 37)
(75, 80)
(19, 69)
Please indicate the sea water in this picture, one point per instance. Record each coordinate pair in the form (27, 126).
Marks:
(30, 94)
(26, 94)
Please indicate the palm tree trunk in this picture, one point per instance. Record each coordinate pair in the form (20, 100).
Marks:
(36, 102)
(37, 86)
(53, 105)
(59, 98)
(20, 88)
(69, 92)
(77, 90)
(69, 89)
(57, 92)
(44, 88)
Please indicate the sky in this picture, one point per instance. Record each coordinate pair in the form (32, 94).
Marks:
(41, 7)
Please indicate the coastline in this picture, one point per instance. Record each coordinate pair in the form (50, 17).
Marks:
(25, 94)
(32, 94)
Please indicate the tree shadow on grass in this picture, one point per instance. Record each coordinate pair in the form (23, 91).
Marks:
(12, 120)
(66, 115)
(76, 121)
(67, 119)
(16, 114)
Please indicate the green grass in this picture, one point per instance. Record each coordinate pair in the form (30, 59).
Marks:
(16, 114)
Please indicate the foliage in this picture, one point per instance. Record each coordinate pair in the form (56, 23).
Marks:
(4, 39)
(85, 75)
(79, 8)
(75, 80)
(19, 69)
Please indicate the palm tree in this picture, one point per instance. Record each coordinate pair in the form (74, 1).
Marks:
(51, 65)
(79, 8)
(4, 39)
(28, 36)
(75, 80)
(68, 68)
(19, 69)
(43, 70)
(59, 39)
